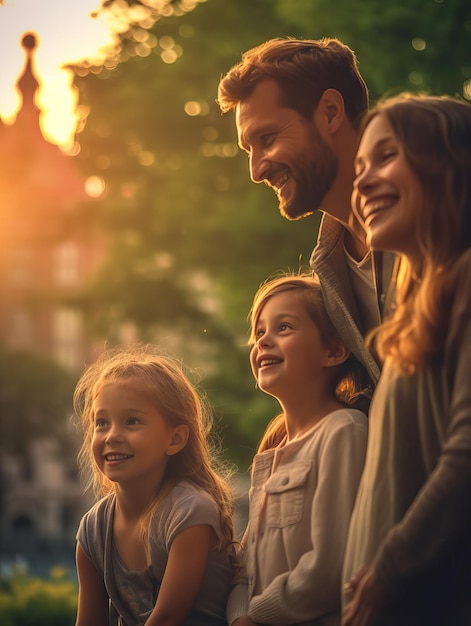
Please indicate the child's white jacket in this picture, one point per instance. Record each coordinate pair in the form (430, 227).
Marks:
(301, 498)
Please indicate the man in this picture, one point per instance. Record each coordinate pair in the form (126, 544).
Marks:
(298, 106)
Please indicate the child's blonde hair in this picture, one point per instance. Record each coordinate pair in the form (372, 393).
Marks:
(349, 377)
(163, 381)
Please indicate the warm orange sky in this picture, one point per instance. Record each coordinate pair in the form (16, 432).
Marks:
(67, 33)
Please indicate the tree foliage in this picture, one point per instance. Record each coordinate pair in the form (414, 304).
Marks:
(417, 45)
(35, 397)
(191, 238)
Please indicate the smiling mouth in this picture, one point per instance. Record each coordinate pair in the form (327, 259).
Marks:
(267, 362)
(282, 180)
(117, 457)
(374, 207)
(277, 184)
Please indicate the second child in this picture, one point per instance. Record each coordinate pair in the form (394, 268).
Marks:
(307, 469)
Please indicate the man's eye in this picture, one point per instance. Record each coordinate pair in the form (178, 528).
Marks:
(267, 139)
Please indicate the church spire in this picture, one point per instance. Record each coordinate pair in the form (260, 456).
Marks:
(27, 83)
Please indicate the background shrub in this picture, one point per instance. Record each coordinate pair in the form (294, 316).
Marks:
(29, 601)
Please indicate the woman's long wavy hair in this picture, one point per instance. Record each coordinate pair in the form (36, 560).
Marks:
(162, 380)
(348, 377)
(435, 134)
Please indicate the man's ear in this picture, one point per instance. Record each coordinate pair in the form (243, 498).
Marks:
(178, 441)
(336, 353)
(330, 111)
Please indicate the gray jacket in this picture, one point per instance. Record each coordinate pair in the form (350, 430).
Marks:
(328, 261)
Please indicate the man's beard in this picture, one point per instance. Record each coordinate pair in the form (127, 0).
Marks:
(313, 174)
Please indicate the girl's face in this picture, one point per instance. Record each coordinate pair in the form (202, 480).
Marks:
(386, 192)
(289, 352)
(131, 441)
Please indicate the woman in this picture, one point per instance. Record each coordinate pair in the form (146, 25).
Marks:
(408, 556)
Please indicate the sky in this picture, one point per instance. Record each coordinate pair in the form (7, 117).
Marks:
(67, 33)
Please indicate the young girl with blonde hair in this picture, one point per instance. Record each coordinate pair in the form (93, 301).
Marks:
(158, 546)
(306, 471)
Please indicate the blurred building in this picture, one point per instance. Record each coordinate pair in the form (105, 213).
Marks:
(46, 255)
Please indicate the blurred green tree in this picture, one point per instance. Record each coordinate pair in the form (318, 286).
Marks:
(35, 398)
(191, 238)
(414, 45)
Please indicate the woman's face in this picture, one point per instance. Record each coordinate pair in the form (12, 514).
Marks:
(387, 194)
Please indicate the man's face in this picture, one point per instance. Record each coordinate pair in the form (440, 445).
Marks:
(285, 151)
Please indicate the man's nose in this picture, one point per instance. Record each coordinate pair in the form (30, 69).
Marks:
(259, 167)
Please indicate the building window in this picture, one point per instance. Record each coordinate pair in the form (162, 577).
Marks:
(67, 337)
(66, 270)
(20, 336)
(19, 266)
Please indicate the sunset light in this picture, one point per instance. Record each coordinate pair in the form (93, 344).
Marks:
(67, 32)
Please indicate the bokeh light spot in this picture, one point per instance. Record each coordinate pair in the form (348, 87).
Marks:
(467, 89)
(95, 186)
(419, 44)
(166, 42)
(146, 158)
(169, 56)
(192, 108)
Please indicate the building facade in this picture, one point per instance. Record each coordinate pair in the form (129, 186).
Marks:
(45, 260)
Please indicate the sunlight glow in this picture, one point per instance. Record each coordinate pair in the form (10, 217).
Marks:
(75, 32)
(95, 186)
(221, 150)
(68, 32)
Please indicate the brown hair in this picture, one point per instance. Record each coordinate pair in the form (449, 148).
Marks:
(303, 69)
(435, 134)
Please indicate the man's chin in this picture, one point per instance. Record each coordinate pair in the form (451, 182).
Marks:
(293, 213)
